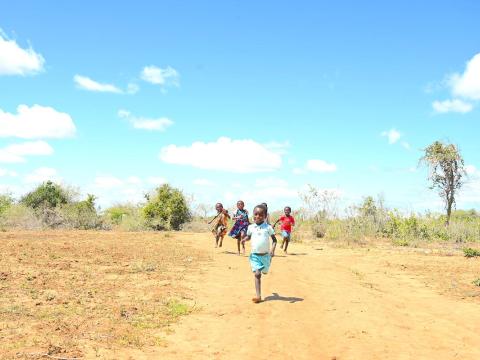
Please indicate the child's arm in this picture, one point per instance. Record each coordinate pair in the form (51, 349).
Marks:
(276, 222)
(246, 238)
(274, 245)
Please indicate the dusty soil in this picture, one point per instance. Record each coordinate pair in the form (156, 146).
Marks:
(334, 303)
(84, 294)
(173, 296)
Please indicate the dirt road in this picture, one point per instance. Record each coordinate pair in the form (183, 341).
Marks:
(326, 303)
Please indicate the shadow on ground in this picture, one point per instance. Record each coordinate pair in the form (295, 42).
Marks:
(276, 297)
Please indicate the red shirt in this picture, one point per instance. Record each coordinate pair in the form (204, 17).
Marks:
(287, 222)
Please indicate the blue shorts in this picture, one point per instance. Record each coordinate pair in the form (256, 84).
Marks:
(260, 262)
(286, 234)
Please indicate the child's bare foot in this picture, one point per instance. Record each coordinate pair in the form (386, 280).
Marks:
(256, 300)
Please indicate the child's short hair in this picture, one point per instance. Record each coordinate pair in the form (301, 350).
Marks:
(288, 207)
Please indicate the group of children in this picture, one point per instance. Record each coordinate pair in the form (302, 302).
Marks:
(259, 233)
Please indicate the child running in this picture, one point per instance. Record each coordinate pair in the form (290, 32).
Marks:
(267, 217)
(219, 230)
(287, 222)
(239, 229)
(261, 255)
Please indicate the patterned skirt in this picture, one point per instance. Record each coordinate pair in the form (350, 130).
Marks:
(237, 228)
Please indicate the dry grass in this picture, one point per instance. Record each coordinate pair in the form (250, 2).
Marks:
(85, 294)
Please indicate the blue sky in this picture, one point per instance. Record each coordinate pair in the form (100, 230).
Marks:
(274, 95)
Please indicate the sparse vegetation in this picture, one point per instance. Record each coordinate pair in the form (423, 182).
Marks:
(469, 252)
(447, 170)
(166, 209)
(91, 290)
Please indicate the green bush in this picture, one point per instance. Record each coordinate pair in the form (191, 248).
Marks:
(469, 252)
(47, 195)
(125, 217)
(166, 209)
(5, 202)
(80, 215)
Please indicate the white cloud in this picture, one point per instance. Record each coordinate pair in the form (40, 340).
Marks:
(5, 172)
(467, 85)
(86, 83)
(270, 182)
(135, 180)
(17, 61)
(316, 165)
(160, 124)
(406, 145)
(471, 169)
(278, 147)
(217, 155)
(156, 180)
(107, 182)
(132, 88)
(112, 189)
(299, 171)
(454, 105)
(203, 182)
(393, 135)
(36, 122)
(16, 153)
(470, 193)
(41, 175)
(269, 190)
(158, 76)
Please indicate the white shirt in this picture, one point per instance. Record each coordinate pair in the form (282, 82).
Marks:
(260, 237)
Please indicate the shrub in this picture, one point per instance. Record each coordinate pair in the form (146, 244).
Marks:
(125, 217)
(469, 252)
(5, 202)
(319, 230)
(166, 209)
(476, 282)
(47, 195)
(80, 214)
(21, 217)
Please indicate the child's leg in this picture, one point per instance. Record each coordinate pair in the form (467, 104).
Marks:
(258, 284)
(242, 235)
(216, 240)
(287, 240)
(221, 240)
(238, 243)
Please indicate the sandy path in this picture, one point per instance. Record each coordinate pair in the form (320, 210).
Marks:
(321, 304)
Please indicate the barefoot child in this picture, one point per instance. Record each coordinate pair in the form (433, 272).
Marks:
(239, 229)
(261, 256)
(219, 230)
(287, 222)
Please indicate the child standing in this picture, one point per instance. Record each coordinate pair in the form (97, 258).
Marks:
(287, 222)
(219, 230)
(261, 255)
(239, 229)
